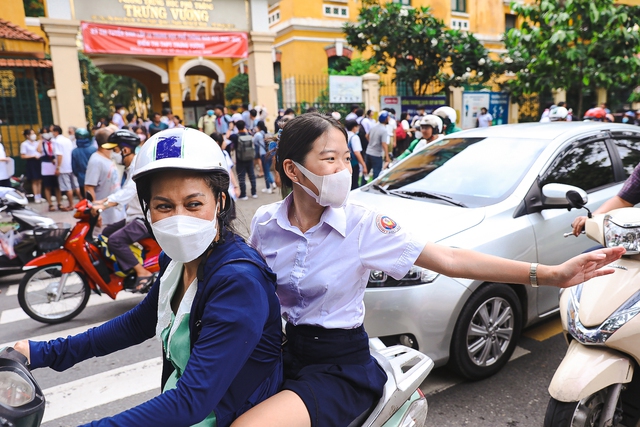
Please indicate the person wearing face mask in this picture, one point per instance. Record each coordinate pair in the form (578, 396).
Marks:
(80, 156)
(214, 307)
(29, 151)
(5, 174)
(141, 131)
(102, 178)
(322, 249)
(207, 122)
(48, 168)
(123, 233)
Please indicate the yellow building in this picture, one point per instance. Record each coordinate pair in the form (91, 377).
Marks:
(25, 77)
(182, 51)
(309, 36)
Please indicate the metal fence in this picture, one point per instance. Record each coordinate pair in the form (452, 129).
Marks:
(303, 92)
(24, 102)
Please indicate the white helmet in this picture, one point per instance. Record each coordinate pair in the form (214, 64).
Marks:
(434, 121)
(179, 148)
(446, 112)
(558, 114)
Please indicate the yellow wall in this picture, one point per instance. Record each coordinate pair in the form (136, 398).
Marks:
(13, 11)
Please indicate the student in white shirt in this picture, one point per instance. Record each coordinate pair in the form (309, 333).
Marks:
(322, 248)
(5, 177)
(29, 150)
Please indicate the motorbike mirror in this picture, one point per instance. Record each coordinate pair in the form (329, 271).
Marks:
(575, 199)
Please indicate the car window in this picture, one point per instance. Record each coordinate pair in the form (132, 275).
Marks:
(587, 166)
(629, 152)
(474, 171)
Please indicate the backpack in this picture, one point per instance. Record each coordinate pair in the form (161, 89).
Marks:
(401, 134)
(245, 150)
(363, 137)
(354, 160)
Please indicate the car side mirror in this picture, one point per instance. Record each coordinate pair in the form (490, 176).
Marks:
(559, 196)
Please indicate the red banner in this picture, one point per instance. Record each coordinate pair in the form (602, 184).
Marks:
(114, 39)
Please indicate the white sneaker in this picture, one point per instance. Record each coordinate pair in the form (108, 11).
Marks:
(273, 185)
(267, 190)
(254, 196)
(243, 198)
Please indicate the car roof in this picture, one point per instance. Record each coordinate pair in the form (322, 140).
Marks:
(547, 131)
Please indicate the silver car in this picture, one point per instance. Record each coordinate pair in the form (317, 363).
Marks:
(482, 189)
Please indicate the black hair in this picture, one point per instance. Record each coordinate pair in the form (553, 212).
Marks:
(297, 139)
(261, 126)
(166, 111)
(359, 112)
(350, 124)
(253, 112)
(27, 132)
(404, 115)
(155, 113)
(153, 131)
(217, 137)
(56, 128)
(240, 124)
(245, 106)
(290, 111)
(354, 107)
(119, 106)
(219, 107)
(130, 117)
(233, 108)
(143, 128)
(312, 110)
(369, 112)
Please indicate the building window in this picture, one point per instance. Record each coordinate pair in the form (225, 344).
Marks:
(509, 21)
(338, 63)
(403, 2)
(459, 5)
(460, 24)
(335, 11)
(274, 17)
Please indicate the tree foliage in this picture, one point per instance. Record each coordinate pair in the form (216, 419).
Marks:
(238, 88)
(356, 67)
(573, 44)
(417, 46)
(33, 7)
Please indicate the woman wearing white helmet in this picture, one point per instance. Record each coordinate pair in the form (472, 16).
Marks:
(558, 114)
(430, 128)
(449, 118)
(214, 305)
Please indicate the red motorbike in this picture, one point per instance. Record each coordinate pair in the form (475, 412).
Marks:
(57, 285)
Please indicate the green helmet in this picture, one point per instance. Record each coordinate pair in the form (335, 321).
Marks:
(82, 133)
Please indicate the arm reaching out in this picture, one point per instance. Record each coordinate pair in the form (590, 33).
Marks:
(469, 264)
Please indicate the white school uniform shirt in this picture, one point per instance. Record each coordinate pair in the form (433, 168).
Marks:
(323, 273)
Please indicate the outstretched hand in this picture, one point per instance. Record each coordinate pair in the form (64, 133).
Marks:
(583, 267)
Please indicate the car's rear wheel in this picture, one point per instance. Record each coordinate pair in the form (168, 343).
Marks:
(486, 332)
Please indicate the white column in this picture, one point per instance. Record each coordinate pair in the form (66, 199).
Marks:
(371, 91)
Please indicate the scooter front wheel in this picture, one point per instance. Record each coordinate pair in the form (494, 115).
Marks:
(49, 296)
(586, 413)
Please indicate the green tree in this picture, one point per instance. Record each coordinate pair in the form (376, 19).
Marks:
(238, 88)
(33, 7)
(355, 67)
(573, 44)
(417, 46)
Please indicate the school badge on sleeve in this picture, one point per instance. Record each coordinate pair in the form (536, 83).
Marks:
(386, 224)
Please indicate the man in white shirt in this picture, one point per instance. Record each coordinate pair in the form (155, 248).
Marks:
(391, 128)
(485, 119)
(118, 117)
(67, 181)
(167, 117)
(352, 115)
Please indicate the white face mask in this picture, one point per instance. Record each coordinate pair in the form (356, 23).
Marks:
(122, 112)
(116, 157)
(142, 137)
(183, 237)
(334, 189)
(33, 137)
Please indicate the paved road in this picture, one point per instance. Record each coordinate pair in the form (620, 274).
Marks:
(98, 388)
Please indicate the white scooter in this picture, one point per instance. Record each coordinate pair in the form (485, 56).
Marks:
(22, 402)
(595, 384)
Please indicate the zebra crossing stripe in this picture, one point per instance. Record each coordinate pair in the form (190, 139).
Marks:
(12, 290)
(17, 314)
(96, 390)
